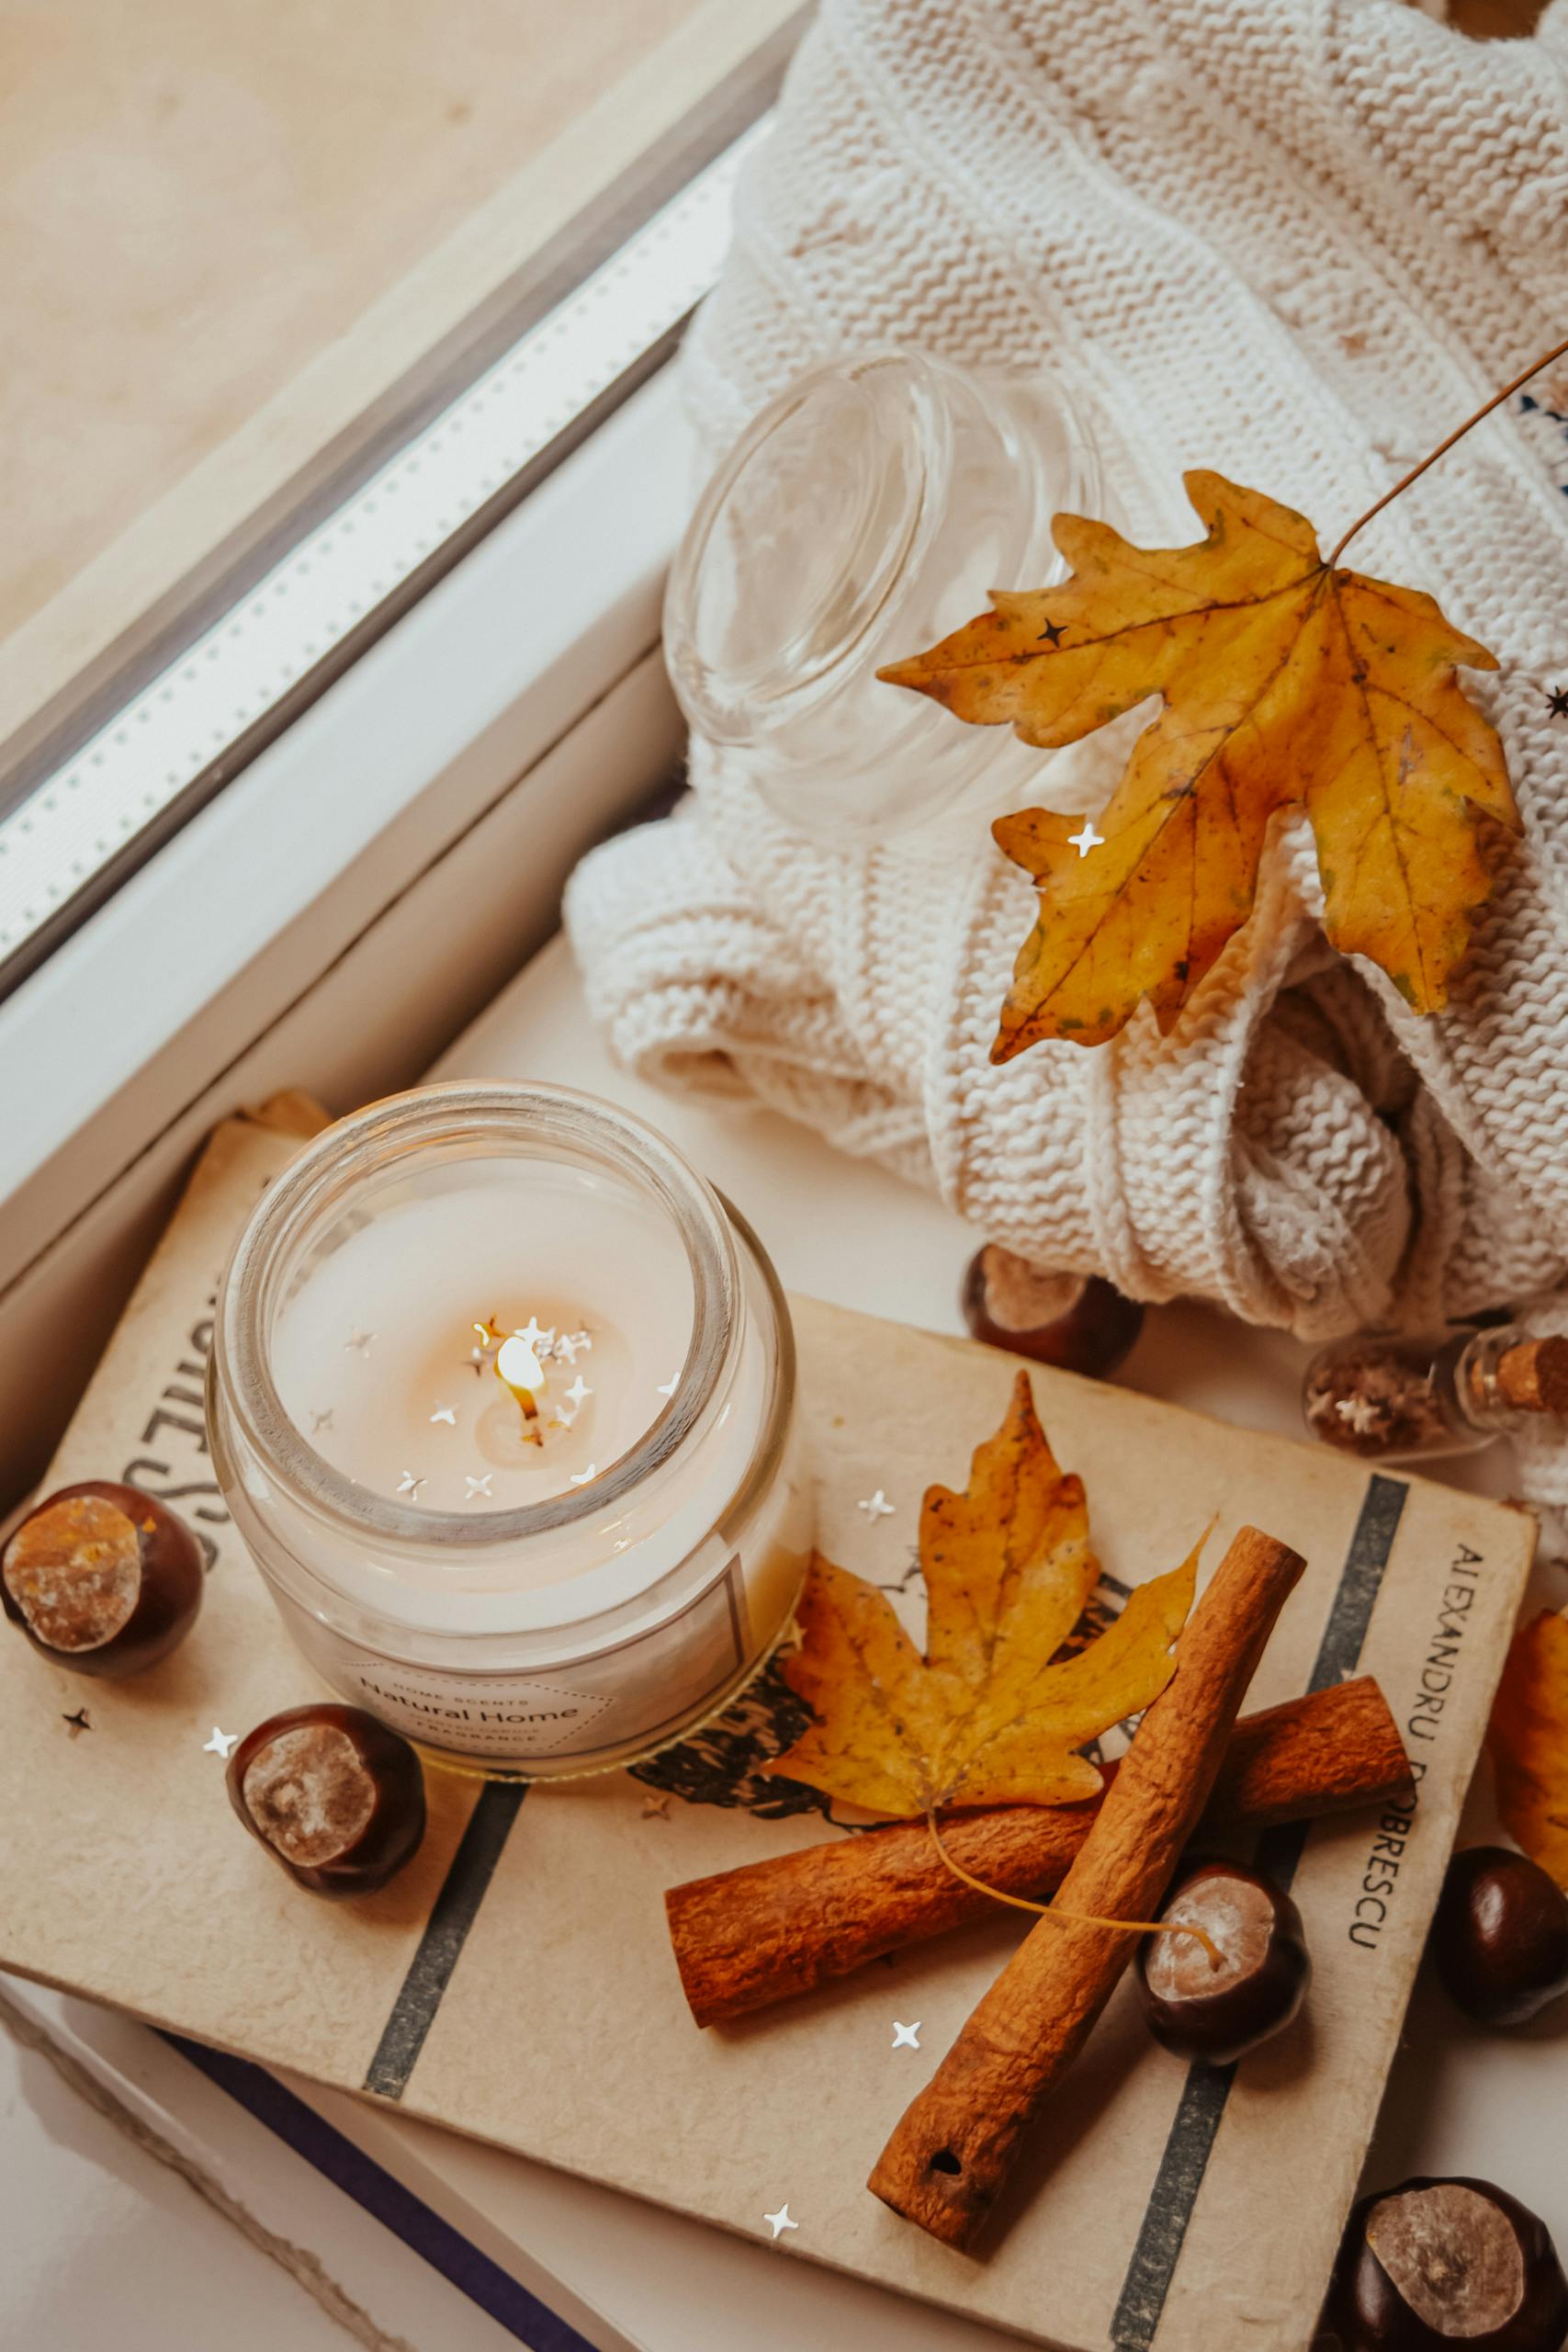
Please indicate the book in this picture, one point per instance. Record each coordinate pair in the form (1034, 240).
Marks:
(516, 1985)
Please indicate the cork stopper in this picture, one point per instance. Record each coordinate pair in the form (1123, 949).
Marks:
(1532, 1376)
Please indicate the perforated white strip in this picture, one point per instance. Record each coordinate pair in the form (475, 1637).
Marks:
(158, 746)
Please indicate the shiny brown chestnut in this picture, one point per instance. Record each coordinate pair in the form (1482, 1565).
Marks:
(1198, 2011)
(1079, 1322)
(1435, 2265)
(1500, 1935)
(333, 1795)
(102, 1579)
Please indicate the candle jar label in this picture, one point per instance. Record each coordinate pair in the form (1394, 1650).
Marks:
(621, 1702)
(507, 1717)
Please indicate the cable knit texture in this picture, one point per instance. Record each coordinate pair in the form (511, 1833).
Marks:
(1296, 239)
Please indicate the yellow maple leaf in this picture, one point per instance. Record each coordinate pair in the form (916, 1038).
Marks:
(1527, 1739)
(1284, 680)
(991, 1715)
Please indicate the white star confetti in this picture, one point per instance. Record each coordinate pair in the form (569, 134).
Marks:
(906, 2037)
(540, 1341)
(220, 1744)
(571, 1344)
(656, 1808)
(1088, 839)
(409, 1485)
(780, 2222)
(320, 1422)
(579, 1392)
(581, 1477)
(668, 1387)
(447, 1413)
(480, 1486)
(875, 1507)
(359, 1343)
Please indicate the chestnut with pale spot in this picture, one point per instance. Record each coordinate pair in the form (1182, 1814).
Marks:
(1436, 2265)
(1199, 2007)
(1078, 1322)
(102, 1579)
(336, 1798)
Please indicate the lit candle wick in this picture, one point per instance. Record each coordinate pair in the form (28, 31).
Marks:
(518, 1369)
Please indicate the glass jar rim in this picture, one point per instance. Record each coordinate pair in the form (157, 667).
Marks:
(718, 713)
(908, 410)
(391, 1132)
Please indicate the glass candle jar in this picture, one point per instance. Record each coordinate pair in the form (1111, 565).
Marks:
(865, 513)
(502, 1400)
(1387, 1396)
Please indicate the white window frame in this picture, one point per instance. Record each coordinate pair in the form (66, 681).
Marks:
(428, 808)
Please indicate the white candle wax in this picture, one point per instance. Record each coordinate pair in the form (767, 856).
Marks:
(386, 1354)
(547, 1571)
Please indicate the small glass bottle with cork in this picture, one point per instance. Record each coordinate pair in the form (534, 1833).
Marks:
(1386, 1396)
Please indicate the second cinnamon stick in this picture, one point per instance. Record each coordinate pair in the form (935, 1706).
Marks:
(746, 1938)
(950, 2154)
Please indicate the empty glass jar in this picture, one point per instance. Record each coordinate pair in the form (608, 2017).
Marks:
(865, 512)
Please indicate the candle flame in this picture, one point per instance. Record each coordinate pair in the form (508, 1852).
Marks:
(518, 1371)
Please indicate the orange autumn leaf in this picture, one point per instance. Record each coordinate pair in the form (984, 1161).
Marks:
(1284, 682)
(1529, 1742)
(991, 1714)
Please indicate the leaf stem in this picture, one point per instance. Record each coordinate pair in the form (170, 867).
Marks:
(1457, 434)
(1067, 1918)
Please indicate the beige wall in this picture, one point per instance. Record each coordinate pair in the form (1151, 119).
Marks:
(198, 196)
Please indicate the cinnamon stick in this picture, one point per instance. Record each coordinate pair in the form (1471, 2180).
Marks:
(746, 1938)
(949, 2156)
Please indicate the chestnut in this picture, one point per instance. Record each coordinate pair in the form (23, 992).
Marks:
(1198, 2011)
(102, 1579)
(1500, 1935)
(332, 1795)
(1439, 2263)
(1079, 1322)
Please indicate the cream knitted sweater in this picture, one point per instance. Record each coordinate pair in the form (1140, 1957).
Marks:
(1296, 239)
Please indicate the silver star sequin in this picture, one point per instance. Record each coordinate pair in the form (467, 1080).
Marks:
(906, 2037)
(320, 1422)
(579, 1392)
(780, 2222)
(222, 1743)
(480, 1486)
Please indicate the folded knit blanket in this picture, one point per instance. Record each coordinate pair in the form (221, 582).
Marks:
(1297, 240)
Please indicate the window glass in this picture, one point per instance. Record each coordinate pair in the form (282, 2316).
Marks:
(247, 244)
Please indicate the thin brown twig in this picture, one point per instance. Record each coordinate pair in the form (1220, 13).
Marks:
(1459, 432)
